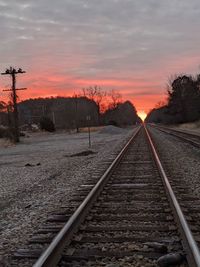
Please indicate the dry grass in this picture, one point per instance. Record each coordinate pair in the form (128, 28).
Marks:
(193, 127)
(190, 125)
(92, 129)
(4, 143)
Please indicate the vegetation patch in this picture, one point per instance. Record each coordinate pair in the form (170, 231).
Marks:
(47, 124)
(183, 102)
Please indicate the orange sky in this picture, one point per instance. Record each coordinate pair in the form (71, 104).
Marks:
(143, 90)
(132, 47)
(54, 86)
(143, 94)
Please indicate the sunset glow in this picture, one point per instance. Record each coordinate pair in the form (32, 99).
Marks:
(101, 93)
(65, 46)
(142, 115)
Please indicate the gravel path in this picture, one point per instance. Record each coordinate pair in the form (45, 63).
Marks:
(180, 159)
(39, 174)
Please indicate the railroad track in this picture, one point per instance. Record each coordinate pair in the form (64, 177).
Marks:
(190, 138)
(131, 217)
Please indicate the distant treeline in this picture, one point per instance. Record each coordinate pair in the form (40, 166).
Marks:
(75, 112)
(183, 102)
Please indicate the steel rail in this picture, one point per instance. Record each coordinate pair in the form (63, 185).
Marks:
(51, 256)
(189, 243)
(176, 133)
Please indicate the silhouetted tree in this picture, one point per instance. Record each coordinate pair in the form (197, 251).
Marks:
(184, 99)
(160, 115)
(115, 99)
(65, 112)
(3, 113)
(97, 94)
(183, 103)
(47, 124)
(123, 114)
(2, 106)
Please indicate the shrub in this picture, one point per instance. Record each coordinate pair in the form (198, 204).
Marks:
(5, 132)
(112, 122)
(47, 124)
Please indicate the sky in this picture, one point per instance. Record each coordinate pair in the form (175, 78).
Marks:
(132, 46)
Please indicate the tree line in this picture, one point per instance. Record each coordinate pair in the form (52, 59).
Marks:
(93, 106)
(183, 101)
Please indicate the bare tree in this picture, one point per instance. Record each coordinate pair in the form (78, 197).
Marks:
(116, 99)
(97, 94)
(2, 106)
(161, 104)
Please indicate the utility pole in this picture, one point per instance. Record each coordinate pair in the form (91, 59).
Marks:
(76, 112)
(12, 72)
(88, 118)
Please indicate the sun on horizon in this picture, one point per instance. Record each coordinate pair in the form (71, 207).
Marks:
(142, 114)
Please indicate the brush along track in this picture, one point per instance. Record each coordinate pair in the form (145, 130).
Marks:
(187, 137)
(124, 226)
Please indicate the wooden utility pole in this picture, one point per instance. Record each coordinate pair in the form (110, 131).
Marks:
(76, 112)
(88, 118)
(12, 72)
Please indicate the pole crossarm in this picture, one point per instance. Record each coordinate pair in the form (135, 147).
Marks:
(12, 71)
(5, 73)
(6, 90)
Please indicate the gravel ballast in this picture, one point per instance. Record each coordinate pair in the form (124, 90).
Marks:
(180, 159)
(41, 173)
